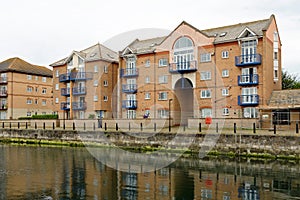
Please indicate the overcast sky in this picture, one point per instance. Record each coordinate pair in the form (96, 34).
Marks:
(44, 31)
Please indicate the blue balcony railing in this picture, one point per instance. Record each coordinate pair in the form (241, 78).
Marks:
(81, 76)
(183, 67)
(129, 72)
(79, 91)
(78, 105)
(65, 106)
(129, 88)
(246, 60)
(64, 77)
(65, 91)
(249, 79)
(248, 100)
(129, 104)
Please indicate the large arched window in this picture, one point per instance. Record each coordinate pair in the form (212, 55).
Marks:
(183, 53)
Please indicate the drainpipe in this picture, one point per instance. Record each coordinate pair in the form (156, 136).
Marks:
(154, 85)
(12, 96)
(215, 79)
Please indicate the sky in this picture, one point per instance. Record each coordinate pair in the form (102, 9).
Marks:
(44, 31)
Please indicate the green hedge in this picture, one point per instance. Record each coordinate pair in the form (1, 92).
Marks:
(40, 117)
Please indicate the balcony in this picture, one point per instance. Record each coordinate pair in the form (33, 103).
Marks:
(64, 77)
(81, 76)
(129, 104)
(3, 93)
(129, 88)
(247, 80)
(129, 72)
(65, 91)
(248, 100)
(79, 91)
(183, 67)
(3, 80)
(79, 106)
(247, 60)
(65, 106)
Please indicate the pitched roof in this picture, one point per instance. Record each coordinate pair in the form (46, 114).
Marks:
(221, 35)
(285, 99)
(21, 66)
(95, 52)
(144, 46)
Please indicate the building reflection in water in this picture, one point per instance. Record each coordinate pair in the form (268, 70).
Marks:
(72, 173)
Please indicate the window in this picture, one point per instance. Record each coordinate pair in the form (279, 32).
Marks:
(206, 112)
(275, 55)
(275, 74)
(44, 102)
(44, 79)
(163, 62)
(56, 100)
(225, 73)
(205, 94)
(162, 96)
(44, 91)
(205, 75)
(57, 73)
(95, 82)
(95, 68)
(250, 112)
(29, 77)
(29, 89)
(147, 79)
(183, 53)
(163, 79)
(28, 114)
(105, 98)
(147, 95)
(225, 54)
(131, 114)
(147, 63)
(105, 69)
(205, 57)
(36, 78)
(29, 101)
(56, 86)
(105, 83)
(225, 92)
(36, 89)
(225, 111)
(36, 101)
(95, 98)
(163, 113)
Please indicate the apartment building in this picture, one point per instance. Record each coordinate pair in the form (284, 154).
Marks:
(224, 72)
(25, 89)
(84, 83)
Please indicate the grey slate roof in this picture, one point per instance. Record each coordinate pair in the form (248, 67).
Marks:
(231, 34)
(21, 66)
(285, 99)
(96, 52)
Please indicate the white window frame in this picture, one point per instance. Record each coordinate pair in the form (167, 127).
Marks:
(225, 54)
(29, 101)
(162, 96)
(225, 92)
(29, 77)
(96, 69)
(105, 83)
(29, 89)
(205, 94)
(250, 112)
(225, 73)
(163, 113)
(163, 79)
(44, 79)
(147, 79)
(105, 69)
(147, 95)
(44, 90)
(105, 98)
(95, 98)
(206, 112)
(163, 62)
(44, 102)
(57, 73)
(225, 111)
(56, 100)
(147, 63)
(205, 57)
(206, 75)
(57, 86)
(95, 82)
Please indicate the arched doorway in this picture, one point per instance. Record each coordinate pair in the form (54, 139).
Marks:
(184, 101)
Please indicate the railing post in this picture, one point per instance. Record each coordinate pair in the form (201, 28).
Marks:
(297, 127)
(53, 125)
(18, 125)
(234, 127)
(3, 125)
(217, 127)
(26, 125)
(141, 126)
(129, 128)
(74, 126)
(254, 128)
(200, 127)
(35, 125)
(84, 126)
(105, 126)
(44, 126)
(274, 128)
(155, 127)
(9, 125)
(64, 126)
(117, 127)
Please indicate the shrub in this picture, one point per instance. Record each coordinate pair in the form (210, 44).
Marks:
(50, 116)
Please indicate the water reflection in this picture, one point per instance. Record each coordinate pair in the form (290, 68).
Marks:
(72, 173)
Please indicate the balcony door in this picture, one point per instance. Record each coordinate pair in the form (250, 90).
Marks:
(131, 84)
(248, 95)
(249, 51)
(247, 74)
(130, 66)
(131, 100)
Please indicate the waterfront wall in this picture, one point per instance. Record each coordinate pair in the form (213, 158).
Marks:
(284, 145)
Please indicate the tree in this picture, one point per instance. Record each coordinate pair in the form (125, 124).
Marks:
(290, 81)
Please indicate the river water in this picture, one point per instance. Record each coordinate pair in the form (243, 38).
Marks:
(33, 172)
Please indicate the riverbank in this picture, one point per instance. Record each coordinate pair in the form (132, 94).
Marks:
(244, 144)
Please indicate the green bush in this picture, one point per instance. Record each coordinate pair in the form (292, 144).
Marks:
(40, 117)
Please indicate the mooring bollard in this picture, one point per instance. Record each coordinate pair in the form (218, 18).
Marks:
(35, 125)
(154, 126)
(53, 125)
(64, 126)
(44, 126)
(254, 128)
(274, 128)
(105, 126)
(200, 127)
(18, 125)
(117, 127)
(74, 126)
(84, 126)
(141, 126)
(129, 128)
(217, 127)
(26, 125)
(297, 128)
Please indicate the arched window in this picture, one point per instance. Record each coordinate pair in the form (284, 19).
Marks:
(183, 53)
